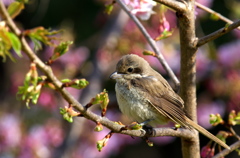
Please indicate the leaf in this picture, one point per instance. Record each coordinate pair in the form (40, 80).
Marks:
(31, 89)
(15, 9)
(163, 35)
(16, 44)
(80, 83)
(66, 80)
(214, 16)
(102, 99)
(10, 56)
(5, 45)
(76, 83)
(68, 113)
(40, 34)
(108, 9)
(37, 44)
(215, 119)
(61, 49)
(148, 52)
(99, 127)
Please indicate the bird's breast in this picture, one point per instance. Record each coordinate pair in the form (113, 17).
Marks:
(133, 103)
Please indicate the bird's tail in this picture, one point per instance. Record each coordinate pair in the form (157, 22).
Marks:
(207, 134)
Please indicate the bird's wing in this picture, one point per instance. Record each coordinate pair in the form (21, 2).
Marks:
(162, 98)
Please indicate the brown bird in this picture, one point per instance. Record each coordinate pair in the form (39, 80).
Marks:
(144, 95)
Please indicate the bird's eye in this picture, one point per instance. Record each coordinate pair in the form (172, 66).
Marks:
(130, 69)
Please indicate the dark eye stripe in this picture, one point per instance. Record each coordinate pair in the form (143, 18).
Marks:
(137, 70)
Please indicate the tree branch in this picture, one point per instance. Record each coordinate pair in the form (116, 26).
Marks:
(221, 17)
(151, 42)
(188, 73)
(70, 99)
(217, 33)
(227, 151)
(173, 4)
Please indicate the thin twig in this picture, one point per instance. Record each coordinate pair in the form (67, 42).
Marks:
(173, 4)
(187, 134)
(226, 151)
(221, 17)
(218, 33)
(151, 42)
(234, 133)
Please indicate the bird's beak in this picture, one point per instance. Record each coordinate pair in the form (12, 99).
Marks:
(115, 76)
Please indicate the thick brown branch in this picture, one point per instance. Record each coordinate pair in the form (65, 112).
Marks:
(188, 73)
(173, 4)
(226, 151)
(217, 33)
(187, 134)
(209, 10)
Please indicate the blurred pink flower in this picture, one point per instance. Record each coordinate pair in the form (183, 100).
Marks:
(228, 54)
(75, 57)
(10, 132)
(207, 3)
(236, 33)
(141, 8)
(164, 25)
(7, 2)
(207, 152)
(47, 99)
(203, 63)
(54, 132)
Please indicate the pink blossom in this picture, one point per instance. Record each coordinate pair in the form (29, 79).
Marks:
(10, 132)
(164, 25)
(7, 2)
(47, 99)
(228, 54)
(199, 12)
(207, 152)
(141, 8)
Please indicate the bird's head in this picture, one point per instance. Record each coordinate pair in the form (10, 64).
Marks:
(131, 67)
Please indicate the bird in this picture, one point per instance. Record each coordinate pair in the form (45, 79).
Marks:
(145, 96)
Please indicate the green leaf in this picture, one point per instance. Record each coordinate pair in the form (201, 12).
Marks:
(37, 44)
(98, 128)
(226, 26)
(238, 151)
(80, 83)
(40, 34)
(76, 83)
(15, 9)
(215, 119)
(66, 80)
(148, 52)
(5, 45)
(102, 99)
(164, 34)
(65, 114)
(61, 49)
(214, 16)
(16, 44)
(108, 9)
(10, 56)
(31, 89)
